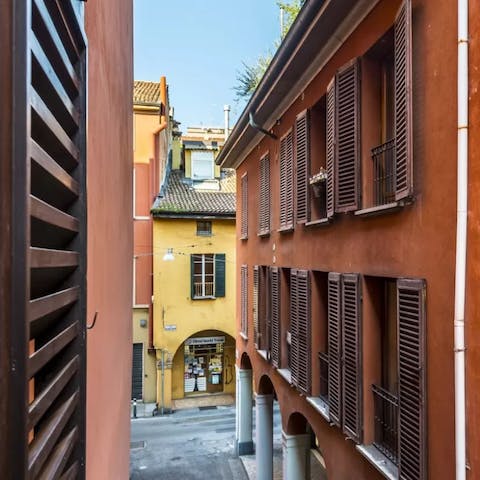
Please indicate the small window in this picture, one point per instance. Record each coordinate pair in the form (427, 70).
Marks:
(207, 275)
(204, 228)
(202, 164)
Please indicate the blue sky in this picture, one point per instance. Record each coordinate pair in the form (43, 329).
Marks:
(199, 45)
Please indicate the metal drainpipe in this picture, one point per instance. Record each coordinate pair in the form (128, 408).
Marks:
(226, 110)
(163, 382)
(461, 245)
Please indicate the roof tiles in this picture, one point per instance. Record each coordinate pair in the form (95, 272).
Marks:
(146, 92)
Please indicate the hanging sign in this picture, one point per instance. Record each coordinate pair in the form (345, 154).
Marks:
(204, 340)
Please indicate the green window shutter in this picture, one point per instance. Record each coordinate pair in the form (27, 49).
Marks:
(192, 270)
(219, 274)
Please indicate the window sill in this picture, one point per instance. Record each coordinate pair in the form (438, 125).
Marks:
(264, 354)
(318, 223)
(285, 374)
(286, 229)
(141, 217)
(263, 234)
(243, 335)
(320, 406)
(385, 466)
(244, 238)
(379, 209)
(204, 298)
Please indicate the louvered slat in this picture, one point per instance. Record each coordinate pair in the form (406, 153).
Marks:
(286, 181)
(352, 365)
(347, 176)
(46, 213)
(48, 258)
(302, 150)
(71, 473)
(331, 148)
(275, 316)
(294, 361)
(264, 210)
(40, 307)
(403, 102)
(335, 347)
(411, 391)
(303, 332)
(256, 333)
(244, 215)
(243, 299)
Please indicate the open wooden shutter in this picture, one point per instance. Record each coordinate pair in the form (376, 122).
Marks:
(294, 326)
(352, 364)
(347, 109)
(286, 181)
(264, 210)
(303, 333)
(302, 148)
(256, 326)
(220, 267)
(275, 316)
(192, 277)
(49, 253)
(244, 213)
(403, 102)
(244, 299)
(411, 389)
(331, 148)
(335, 347)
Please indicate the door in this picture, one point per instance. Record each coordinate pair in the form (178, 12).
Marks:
(137, 371)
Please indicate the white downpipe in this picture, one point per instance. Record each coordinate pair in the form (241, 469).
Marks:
(461, 246)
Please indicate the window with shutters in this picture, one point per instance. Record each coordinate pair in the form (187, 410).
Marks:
(302, 162)
(281, 314)
(261, 309)
(275, 317)
(264, 195)
(207, 275)
(286, 182)
(244, 300)
(244, 210)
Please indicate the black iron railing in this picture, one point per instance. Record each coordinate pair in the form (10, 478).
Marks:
(383, 158)
(386, 422)
(323, 358)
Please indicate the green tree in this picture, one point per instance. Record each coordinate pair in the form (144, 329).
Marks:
(250, 75)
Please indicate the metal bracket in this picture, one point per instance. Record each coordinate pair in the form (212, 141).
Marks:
(89, 327)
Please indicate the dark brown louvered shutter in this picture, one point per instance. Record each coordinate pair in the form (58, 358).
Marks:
(294, 326)
(264, 210)
(411, 389)
(331, 148)
(244, 215)
(352, 364)
(275, 316)
(403, 102)
(243, 299)
(335, 347)
(50, 242)
(286, 181)
(256, 326)
(303, 332)
(347, 106)
(302, 150)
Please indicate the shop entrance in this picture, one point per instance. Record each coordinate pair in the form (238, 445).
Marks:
(204, 362)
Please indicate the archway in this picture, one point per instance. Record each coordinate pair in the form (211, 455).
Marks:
(244, 402)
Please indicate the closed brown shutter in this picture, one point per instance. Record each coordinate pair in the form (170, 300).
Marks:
(244, 215)
(294, 326)
(244, 299)
(256, 333)
(411, 390)
(303, 332)
(264, 210)
(275, 316)
(403, 102)
(335, 347)
(347, 177)
(352, 365)
(302, 148)
(331, 148)
(286, 181)
(49, 255)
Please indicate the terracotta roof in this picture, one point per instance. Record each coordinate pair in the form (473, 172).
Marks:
(183, 197)
(146, 92)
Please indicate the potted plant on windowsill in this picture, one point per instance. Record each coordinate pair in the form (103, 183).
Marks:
(318, 181)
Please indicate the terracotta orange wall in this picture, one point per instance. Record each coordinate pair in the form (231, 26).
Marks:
(109, 26)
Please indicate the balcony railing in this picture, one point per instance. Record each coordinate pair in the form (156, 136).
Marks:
(383, 158)
(203, 289)
(323, 358)
(386, 422)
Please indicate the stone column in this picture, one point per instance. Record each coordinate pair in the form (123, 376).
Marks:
(296, 456)
(243, 424)
(264, 436)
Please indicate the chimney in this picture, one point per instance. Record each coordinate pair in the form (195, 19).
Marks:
(226, 110)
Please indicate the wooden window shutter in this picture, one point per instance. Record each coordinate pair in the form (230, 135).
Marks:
(303, 332)
(49, 251)
(403, 102)
(264, 210)
(411, 376)
(220, 268)
(302, 150)
(286, 181)
(331, 154)
(244, 216)
(256, 286)
(192, 277)
(335, 347)
(352, 364)
(244, 299)
(347, 176)
(294, 326)
(275, 316)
